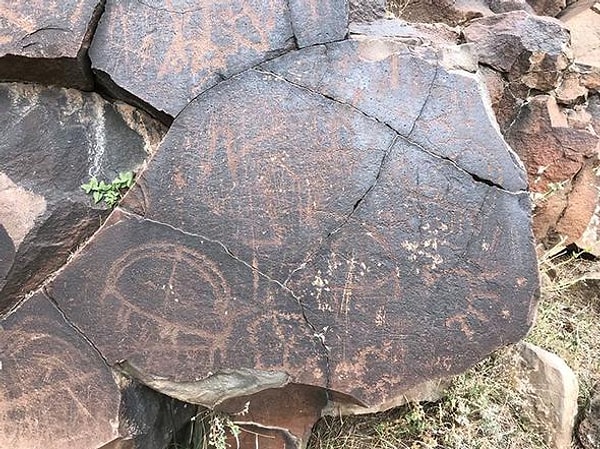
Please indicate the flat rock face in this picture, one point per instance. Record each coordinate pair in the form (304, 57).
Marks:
(54, 383)
(296, 225)
(166, 53)
(54, 141)
(46, 41)
(533, 50)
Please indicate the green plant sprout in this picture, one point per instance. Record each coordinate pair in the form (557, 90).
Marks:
(111, 193)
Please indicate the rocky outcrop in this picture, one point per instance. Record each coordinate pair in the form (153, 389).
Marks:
(330, 239)
(55, 140)
(328, 222)
(47, 42)
(176, 52)
(529, 49)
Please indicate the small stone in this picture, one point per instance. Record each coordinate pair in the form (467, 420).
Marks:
(571, 90)
(555, 389)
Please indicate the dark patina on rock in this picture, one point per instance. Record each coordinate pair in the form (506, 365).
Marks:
(47, 42)
(56, 391)
(176, 50)
(312, 221)
(55, 140)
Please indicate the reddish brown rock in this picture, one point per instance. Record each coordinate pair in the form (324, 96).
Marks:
(529, 49)
(552, 152)
(176, 50)
(287, 414)
(56, 390)
(579, 212)
(47, 42)
(296, 226)
(57, 139)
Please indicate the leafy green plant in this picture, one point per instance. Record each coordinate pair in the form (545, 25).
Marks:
(110, 193)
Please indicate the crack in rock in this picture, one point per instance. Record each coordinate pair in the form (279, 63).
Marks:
(407, 139)
(318, 334)
(73, 326)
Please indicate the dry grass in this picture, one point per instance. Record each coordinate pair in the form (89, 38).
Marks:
(487, 407)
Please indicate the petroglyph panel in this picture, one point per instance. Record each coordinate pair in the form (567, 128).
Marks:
(50, 376)
(287, 225)
(178, 306)
(168, 52)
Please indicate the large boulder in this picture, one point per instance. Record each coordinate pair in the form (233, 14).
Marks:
(56, 390)
(55, 140)
(297, 227)
(47, 42)
(160, 55)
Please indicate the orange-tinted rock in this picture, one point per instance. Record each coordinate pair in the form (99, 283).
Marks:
(583, 200)
(46, 42)
(292, 410)
(533, 50)
(57, 139)
(166, 53)
(552, 152)
(56, 390)
(297, 226)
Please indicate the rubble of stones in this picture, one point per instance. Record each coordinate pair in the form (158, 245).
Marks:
(330, 207)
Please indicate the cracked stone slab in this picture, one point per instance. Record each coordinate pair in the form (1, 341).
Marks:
(432, 286)
(308, 227)
(182, 315)
(56, 391)
(46, 42)
(443, 110)
(55, 140)
(165, 53)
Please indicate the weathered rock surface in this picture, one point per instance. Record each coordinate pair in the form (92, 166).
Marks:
(297, 226)
(56, 390)
(366, 10)
(554, 390)
(55, 140)
(552, 152)
(588, 433)
(47, 42)
(547, 7)
(530, 49)
(176, 50)
(452, 12)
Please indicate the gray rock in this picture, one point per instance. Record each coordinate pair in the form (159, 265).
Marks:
(55, 140)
